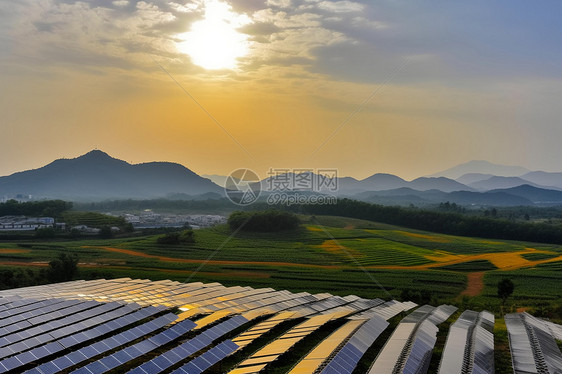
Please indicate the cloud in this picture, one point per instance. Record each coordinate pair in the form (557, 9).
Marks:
(340, 6)
(279, 3)
(184, 8)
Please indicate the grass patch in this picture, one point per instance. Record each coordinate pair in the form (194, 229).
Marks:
(539, 256)
(470, 266)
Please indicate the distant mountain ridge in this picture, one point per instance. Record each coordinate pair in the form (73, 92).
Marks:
(482, 167)
(497, 182)
(517, 196)
(96, 176)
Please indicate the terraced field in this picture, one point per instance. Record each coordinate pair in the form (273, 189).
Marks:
(337, 255)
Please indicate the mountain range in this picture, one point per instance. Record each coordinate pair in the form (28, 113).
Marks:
(97, 176)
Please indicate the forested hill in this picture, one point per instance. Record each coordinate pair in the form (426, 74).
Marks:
(441, 222)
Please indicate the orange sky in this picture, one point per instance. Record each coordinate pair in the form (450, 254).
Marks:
(85, 75)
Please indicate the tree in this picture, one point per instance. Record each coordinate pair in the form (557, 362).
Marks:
(45, 233)
(169, 238)
(505, 289)
(63, 268)
(105, 232)
(186, 236)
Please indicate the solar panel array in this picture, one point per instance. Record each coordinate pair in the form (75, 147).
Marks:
(126, 325)
(189, 347)
(533, 346)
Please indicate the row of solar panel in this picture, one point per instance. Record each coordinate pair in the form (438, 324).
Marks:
(207, 359)
(348, 357)
(120, 289)
(470, 345)
(410, 346)
(533, 347)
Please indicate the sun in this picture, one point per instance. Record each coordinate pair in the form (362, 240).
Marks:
(214, 42)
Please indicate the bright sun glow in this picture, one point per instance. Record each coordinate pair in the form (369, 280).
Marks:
(214, 42)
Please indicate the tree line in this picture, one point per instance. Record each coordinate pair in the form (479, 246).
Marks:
(46, 208)
(207, 205)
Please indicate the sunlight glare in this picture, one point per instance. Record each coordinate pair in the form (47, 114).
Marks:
(214, 42)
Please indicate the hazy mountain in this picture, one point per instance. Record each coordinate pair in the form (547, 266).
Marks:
(539, 196)
(219, 180)
(349, 185)
(490, 198)
(495, 183)
(439, 183)
(482, 167)
(544, 178)
(382, 181)
(97, 176)
(473, 177)
(376, 182)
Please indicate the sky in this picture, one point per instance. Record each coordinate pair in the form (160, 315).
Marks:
(402, 87)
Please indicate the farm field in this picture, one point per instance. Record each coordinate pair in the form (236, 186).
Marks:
(326, 254)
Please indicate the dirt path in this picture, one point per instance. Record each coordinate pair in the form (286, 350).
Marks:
(475, 284)
(10, 250)
(22, 263)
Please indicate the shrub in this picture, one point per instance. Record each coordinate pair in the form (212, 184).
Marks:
(183, 237)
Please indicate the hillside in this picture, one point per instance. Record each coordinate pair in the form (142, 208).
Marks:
(325, 253)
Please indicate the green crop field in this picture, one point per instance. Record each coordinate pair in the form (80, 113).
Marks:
(326, 254)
